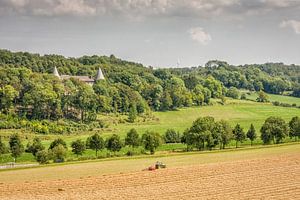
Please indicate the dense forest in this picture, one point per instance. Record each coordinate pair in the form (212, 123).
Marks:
(29, 91)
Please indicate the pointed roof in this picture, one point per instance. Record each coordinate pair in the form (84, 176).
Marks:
(55, 72)
(100, 75)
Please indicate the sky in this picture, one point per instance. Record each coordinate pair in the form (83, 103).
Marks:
(160, 33)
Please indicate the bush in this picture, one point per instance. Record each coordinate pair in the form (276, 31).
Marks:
(171, 136)
(151, 141)
(58, 153)
(114, 143)
(42, 157)
(233, 92)
(243, 97)
(57, 142)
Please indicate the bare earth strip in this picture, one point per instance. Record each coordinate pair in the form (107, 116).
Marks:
(266, 177)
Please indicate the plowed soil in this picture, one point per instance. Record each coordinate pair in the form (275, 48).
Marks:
(270, 177)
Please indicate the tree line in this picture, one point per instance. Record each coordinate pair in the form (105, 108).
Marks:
(28, 90)
(205, 133)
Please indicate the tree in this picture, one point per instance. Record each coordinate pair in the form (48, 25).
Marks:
(294, 125)
(132, 138)
(114, 143)
(58, 153)
(3, 147)
(274, 128)
(132, 113)
(166, 101)
(35, 146)
(224, 132)
(16, 146)
(151, 140)
(95, 142)
(78, 147)
(171, 136)
(201, 128)
(243, 96)
(233, 92)
(251, 134)
(7, 96)
(42, 156)
(239, 134)
(57, 142)
(262, 97)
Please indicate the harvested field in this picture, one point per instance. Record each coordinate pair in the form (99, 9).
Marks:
(266, 177)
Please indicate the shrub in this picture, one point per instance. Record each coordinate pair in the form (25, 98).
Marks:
(42, 157)
(132, 138)
(114, 143)
(58, 153)
(151, 140)
(171, 136)
(78, 147)
(57, 142)
(35, 146)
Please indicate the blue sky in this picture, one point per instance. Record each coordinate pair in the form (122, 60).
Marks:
(156, 32)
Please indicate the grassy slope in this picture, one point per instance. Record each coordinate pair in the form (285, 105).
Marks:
(79, 170)
(236, 111)
(279, 98)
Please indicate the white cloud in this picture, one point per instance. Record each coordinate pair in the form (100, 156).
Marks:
(199, 35)
(295, 25)
(144, 8)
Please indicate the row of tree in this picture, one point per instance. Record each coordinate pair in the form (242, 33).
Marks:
(57, 150)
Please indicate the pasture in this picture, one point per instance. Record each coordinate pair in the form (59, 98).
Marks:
(235, 111)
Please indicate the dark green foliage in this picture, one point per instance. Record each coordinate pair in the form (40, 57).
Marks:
(238, 134)
(57, 142)
(95, 142)
(262, 97)
(233, 92)
(114, 143)
(274, 129)
(200, 133)
(132, 138)
(78, 147)
(35, 146)
(58, 153)
(16, 146)
(224, 133)
(42, 157)
(294, 125)
(251, 134)
(243, 97)
(151, 140)
(3, 147)
(132, 113)
(171, 136)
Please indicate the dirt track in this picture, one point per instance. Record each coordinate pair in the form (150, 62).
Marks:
(273, 177)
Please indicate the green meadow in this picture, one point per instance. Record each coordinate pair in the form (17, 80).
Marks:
(235, 111)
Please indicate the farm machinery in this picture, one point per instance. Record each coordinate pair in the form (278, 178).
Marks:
(157, 165)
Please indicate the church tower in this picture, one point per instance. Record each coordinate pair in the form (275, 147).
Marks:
(55, 72)
(100, 75)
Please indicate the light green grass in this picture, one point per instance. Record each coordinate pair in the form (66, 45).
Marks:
(235, 111)
(273, 97)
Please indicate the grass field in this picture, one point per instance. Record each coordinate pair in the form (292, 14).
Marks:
(266, 173)
(235, 111)
(274, 97)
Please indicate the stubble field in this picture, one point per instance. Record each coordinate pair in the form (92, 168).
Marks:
(268, 173)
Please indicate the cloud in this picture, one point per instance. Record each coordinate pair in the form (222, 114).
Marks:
(199, 35)
(143, 8)
(295, 25)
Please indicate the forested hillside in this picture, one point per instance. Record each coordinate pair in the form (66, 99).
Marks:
(29, 91)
